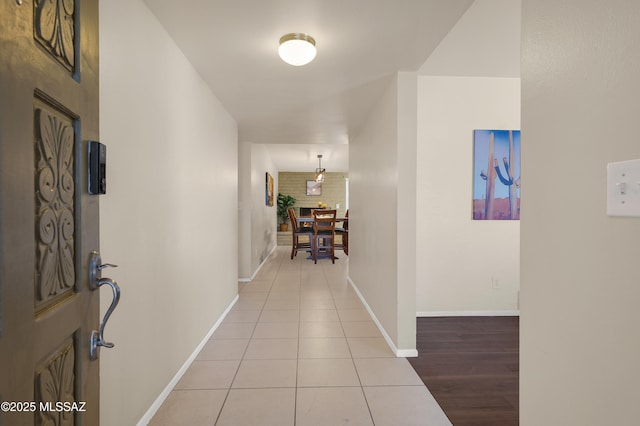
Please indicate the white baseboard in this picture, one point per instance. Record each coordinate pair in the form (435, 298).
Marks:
(515, 313)
(406, 353)
(167, 390)
(248, 280)
(400, 353)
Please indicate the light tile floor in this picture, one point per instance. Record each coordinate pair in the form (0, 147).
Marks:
(299, 348)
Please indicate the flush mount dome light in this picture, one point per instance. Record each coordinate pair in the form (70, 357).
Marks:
(297, 49)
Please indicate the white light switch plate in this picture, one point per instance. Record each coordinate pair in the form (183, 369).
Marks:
(623, 188)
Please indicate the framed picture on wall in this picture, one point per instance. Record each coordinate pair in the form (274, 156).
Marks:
(268, 191)
(496, 175)
(314, 188)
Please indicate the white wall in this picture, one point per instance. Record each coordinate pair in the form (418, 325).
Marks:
(457, 256)
(169, 216)
(257, 233)
(380, 158)
(257, 221)
(580, 338)
(244, 211)
(406, 208)
(264, 218)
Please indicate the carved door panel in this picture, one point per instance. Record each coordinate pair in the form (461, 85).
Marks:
(48, 221)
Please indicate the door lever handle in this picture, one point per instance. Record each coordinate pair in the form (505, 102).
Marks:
(97, 337)
(95, 269)
(106, 265)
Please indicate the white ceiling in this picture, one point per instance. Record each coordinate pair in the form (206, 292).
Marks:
(484, 43)
(361, 44)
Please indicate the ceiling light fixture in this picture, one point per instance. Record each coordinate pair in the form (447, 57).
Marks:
(320, 172)
(297, 48)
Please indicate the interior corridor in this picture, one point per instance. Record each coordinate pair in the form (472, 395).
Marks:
(299, 348)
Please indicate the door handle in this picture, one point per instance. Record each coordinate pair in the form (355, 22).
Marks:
(95, 282)
(97, 337)
(95, 269)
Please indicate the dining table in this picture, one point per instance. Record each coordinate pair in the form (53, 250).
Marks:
(304, 222)
(309, 219)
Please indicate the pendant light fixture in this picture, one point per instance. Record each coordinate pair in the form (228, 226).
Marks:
(297, 49)
(320, 172)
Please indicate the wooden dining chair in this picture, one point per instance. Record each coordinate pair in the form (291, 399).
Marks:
(324, 226)
(307, 225)
(296, 232)
(344, 235)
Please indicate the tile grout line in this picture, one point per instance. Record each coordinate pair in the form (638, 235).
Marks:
(244, 353)
(353, 361)
(295, 392)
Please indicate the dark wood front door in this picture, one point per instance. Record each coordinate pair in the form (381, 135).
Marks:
(48, 221)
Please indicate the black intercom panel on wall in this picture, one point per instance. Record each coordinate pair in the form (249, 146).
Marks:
(97, 168)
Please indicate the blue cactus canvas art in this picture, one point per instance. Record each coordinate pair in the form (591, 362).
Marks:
(496, 174)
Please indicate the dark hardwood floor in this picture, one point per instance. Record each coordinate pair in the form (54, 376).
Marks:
(471, 366)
